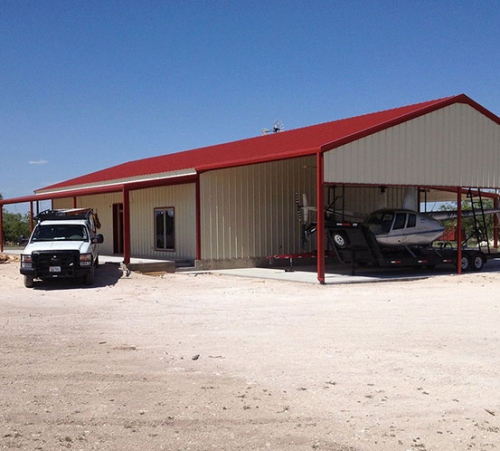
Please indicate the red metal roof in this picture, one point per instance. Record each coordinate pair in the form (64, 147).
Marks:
(275, 146)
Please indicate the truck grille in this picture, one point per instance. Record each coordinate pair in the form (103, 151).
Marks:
(55, 264)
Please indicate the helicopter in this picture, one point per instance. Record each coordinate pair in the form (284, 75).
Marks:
(392, 227)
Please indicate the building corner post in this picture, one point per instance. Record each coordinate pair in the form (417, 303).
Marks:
(320, 220)
(126, 225)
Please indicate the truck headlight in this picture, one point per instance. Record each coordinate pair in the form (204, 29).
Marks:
(85, 259)
(26, 262)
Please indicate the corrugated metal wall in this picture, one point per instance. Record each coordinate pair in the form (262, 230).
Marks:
(359, 201)
(250, 211)
(454, 146)
(142, 205)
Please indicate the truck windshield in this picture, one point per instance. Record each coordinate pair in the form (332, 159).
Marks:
(60, 233)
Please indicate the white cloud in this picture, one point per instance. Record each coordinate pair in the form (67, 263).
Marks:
(38, 162)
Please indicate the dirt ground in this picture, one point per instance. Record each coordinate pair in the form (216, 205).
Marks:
(209, 362)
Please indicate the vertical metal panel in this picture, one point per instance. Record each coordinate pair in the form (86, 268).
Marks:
(453, 146)
(250, 211)
(142, 205)
(363, 200)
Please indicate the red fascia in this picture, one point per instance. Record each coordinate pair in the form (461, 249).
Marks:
(100, 189)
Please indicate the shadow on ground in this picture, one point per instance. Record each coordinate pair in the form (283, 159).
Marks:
(106, 274)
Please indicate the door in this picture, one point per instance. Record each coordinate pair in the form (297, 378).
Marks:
(118, 228)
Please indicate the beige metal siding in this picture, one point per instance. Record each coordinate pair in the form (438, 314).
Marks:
(454, 146)
(250, 211)
(359, 201)
(142, 205)
(62, 203)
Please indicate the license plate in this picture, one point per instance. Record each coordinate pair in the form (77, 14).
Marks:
(54, 269)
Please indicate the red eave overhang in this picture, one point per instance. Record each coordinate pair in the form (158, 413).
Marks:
(104, 189)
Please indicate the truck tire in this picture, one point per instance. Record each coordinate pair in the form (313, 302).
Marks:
(89, 277)
(340, 240)
(28, 281)
(477, 261)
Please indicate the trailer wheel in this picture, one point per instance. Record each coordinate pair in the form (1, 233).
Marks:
(340, 240)
(466, 262)
(477, 261)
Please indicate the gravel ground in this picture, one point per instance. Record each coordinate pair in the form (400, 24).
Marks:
(214, 362)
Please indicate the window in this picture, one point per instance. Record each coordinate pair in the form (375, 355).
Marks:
(412, 220)
(399, 222)
(60, 232)
(164, 229)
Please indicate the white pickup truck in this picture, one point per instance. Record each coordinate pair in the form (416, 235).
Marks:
(64, 244)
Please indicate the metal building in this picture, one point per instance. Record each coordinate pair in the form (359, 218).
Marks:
(233, 204)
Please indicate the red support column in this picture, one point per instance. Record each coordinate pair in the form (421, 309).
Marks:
(126, 225)
(31, 217)
(74, 201)
(459, 231)
(320, 220)
(495, 224)
(1, 228)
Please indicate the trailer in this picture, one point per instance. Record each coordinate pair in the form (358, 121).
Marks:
(356, 245)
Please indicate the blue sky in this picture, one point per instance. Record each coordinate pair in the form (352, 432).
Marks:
(90, 84)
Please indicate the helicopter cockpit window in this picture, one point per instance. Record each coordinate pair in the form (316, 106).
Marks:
(379, 222)
(412, 220)
(399, 222)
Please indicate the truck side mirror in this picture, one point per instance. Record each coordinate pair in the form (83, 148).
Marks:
(98, 239)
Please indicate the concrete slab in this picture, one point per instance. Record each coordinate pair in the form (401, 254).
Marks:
(340, 274)
(307, 276)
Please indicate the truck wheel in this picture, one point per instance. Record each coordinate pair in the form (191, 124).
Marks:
(466, 262)
(89, 277)
(477, 261)
(28, 281)
(340, 240)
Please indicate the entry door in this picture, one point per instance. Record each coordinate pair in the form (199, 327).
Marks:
(118, 228)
